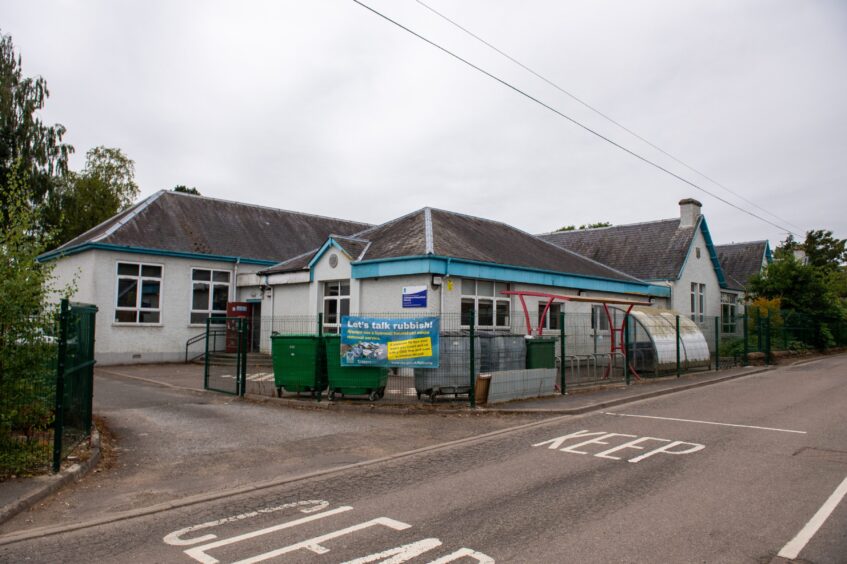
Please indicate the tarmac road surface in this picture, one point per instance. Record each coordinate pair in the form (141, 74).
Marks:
(736, 472)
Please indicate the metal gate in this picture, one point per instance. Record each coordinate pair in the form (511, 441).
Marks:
(226, 354)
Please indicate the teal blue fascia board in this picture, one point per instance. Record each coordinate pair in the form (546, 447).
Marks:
(713, 254)
(329, 243)
(505, 273)
(768, 253)
(52, 255)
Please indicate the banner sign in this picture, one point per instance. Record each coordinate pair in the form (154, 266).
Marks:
(377, 341)
(414, 296)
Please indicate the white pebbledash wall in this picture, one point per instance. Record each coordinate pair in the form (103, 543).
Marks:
(121, 343)
(700, 271)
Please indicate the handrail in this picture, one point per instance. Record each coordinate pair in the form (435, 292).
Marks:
(196, 339)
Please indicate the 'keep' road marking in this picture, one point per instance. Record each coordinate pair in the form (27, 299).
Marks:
(705, 422)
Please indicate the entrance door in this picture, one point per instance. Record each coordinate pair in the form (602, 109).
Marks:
(236, 310)
(256, 327)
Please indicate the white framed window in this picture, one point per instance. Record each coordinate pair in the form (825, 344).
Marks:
(599, 319)
(138, 293)
(336, 304)
(209, 294)
(551, 321)
(484, 299)
(693, 301)
(729, 312)
(702, 304)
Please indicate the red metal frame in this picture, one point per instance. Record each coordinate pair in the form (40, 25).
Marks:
(616, 344)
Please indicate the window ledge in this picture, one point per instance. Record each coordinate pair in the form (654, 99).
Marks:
(114, 324)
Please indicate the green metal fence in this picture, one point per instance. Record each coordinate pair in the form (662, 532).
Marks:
(767, 334)
(226, 355)
(46, 386)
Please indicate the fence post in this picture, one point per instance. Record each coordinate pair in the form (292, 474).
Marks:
(563, 385)
(768, 339)
(472, 394)
(59, 415)
(746, 339)
(678, 365)
(206, 356)
(759, 344)
(717, 343)
(242, 345)
(626, 322)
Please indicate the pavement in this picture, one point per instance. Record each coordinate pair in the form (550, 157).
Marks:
(121, 391)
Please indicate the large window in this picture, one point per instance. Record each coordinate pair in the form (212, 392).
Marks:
(336, 304)
(209, 294)
(139, 292)
(728, 313)
(698, 302)
(483, 297)
(551, 320)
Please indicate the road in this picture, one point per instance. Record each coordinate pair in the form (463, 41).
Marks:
(726, 473)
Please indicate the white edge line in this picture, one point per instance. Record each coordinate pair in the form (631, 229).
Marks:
(798, 543)
(705, 422)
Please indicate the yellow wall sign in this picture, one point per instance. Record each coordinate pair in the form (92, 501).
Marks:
(410, 348)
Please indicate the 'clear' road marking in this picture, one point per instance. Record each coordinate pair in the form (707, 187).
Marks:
(705, 422)
(795, 545)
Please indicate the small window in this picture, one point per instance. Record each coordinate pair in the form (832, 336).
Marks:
(599, 319)
(697, 252)
(551, 321)
(139, 291)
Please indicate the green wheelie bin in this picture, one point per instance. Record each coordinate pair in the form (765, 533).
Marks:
(540, 353)
(299, 364)
(352, 380)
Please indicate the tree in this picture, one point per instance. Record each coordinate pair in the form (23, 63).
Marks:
(185, 190)
(35, 149)
(813, 291)
(585, 226)
(27, 373)
(823, 250)
(105, 187)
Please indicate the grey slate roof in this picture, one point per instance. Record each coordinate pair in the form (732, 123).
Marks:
(740, 261)
(653, 250)
(447, 234)
(172, 221)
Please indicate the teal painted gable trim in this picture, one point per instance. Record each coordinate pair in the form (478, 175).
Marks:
(432, 264)
(326, 246)
(768, 253)
(53, 255)
(713, 254)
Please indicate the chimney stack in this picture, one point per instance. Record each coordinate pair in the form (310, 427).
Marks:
(689, 212)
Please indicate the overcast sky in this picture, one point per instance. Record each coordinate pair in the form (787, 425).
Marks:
(324, 107)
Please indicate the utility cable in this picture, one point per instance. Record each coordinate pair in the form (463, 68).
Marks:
(570, 119)
(598, 112)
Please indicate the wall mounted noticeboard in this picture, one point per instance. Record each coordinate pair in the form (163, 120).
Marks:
(414, 296)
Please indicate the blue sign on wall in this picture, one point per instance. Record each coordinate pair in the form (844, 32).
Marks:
(377, 341)
(414, 296)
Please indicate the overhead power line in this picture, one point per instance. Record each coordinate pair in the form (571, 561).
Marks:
(570, 119)
(600, 113)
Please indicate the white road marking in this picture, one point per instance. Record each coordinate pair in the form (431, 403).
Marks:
(465, 553)
(557, 442)
(314, 544)
(399, 554)
(798, 543)
(705, 422)
(175, 539)
(198, 553)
